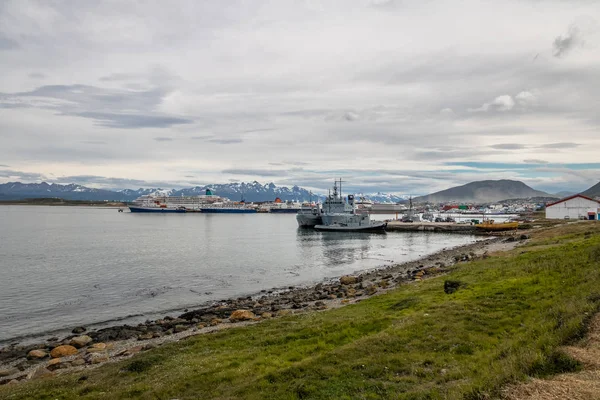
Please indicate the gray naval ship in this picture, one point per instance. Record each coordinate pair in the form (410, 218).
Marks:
(339, 215)
(309, 215)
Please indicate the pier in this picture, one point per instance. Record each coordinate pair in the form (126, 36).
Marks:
(431, 227)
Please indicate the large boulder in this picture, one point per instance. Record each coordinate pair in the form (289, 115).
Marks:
(78, 330)
(96, 348)
(63, 351)
(242, 315)
(96, 358)
(55, 363)
(80, 341)
(4, 372)
(348, 280)
(41, 372)
(37, 354)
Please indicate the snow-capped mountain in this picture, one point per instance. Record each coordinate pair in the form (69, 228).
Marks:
(251, 192)
(18, 190)
(383, 197)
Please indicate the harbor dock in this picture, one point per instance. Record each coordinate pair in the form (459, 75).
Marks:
(431, 227)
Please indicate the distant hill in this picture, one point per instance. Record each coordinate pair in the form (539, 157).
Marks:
(252, 192)
(484, 192)
(18, 191)
(594, 191)
(564, 194)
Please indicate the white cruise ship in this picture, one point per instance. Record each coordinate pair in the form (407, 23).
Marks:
(158, 202)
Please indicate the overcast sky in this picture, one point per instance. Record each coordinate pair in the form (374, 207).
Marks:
(397, 96)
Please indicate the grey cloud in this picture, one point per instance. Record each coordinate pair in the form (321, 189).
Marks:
(564, 44)
(119, 183)
(203, 137)
(163, 139)
(562, 145)
(36, 75)
(258, 130)
(299, 163)
(4, 166)
(7, 43)
(104, 106)
(226, 141)
(117, 77)
(97, 142)
(21, 175)
(508, 146)
(351, 116)
(535, 161)
(113, 120)
(257, 172)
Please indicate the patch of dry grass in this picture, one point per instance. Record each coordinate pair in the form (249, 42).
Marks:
(583, 385)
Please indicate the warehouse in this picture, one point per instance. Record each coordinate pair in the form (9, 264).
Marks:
(574, 207)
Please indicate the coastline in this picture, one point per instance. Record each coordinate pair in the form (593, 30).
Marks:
(123, 341)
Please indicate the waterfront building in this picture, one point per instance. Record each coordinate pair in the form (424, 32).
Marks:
(574, 207)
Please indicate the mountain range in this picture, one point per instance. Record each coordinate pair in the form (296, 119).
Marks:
(474, 192)
(252, 192)
(483, 192)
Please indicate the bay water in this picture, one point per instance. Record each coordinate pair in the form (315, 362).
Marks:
(62, 267)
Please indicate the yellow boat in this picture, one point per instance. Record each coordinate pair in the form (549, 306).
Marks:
(491, 226)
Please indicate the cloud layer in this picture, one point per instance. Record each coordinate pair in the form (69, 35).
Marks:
(393, 96)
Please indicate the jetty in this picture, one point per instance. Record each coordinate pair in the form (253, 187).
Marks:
(431, 227)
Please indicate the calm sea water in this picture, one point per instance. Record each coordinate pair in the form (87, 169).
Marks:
(66, 266)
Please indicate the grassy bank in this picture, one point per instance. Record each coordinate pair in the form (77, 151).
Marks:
(505, 322)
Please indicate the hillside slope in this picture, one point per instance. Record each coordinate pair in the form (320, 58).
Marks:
(484, 192)
(594, 191)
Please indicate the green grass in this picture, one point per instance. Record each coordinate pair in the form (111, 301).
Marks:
(505, 322)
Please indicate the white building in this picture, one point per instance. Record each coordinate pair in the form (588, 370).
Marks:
(574, 207)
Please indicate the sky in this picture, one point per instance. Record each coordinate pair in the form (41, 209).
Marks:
(395, 96)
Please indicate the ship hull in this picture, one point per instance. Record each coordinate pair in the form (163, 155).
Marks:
(374, 227)
(506, 226)
(228, 210)
(156, 210)
(308, 220)
(284, 210)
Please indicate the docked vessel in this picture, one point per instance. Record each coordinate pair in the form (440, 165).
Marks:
(339, 215)
(149, 204)
(160, 202)
(288, 207)
(411, 215)
(231, 208)
(309, 215)
(152, 209)
(491, 226)
(207, 203)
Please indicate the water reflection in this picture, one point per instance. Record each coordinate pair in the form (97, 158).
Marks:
(337, 248)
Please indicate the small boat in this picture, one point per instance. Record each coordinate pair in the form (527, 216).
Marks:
(489, 225)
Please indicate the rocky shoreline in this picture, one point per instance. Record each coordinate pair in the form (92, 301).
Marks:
(88, 349)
